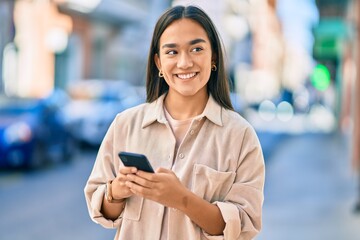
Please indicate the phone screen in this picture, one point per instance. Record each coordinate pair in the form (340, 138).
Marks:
(137, 160)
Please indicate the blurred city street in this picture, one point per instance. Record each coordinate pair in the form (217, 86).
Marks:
(310, 189)
(310, 193)
(67, 67)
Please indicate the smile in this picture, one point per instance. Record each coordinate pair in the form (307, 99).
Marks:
(186, 76)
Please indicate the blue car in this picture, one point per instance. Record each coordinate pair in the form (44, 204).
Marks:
(33, 133)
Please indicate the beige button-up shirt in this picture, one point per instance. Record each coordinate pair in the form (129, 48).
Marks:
(220, 160)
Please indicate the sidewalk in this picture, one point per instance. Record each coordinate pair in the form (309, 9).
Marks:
(310, 190)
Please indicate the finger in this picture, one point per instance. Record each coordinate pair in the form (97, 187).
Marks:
(137, 189)
(139, 180)
(120, 190)
(146, 175)
(133, 191)
(127, 170)
(121, 177)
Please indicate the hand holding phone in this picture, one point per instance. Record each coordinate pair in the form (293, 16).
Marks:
(137, 160)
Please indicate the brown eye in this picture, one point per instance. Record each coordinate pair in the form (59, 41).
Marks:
(171, 52)
(197, 49)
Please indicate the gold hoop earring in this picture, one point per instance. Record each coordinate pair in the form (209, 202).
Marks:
(213, 67)
(161, 74)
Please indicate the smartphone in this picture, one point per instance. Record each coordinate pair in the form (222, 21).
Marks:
(137, 160)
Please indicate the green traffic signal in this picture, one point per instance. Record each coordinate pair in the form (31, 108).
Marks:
(320, 77)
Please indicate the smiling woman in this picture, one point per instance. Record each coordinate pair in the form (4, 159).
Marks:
(185, 59)
(209, 168)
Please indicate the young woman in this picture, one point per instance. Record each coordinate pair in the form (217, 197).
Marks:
(209, 176)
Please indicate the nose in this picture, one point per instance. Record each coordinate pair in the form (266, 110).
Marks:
(184, 61)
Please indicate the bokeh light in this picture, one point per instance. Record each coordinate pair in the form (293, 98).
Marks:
(320, 77)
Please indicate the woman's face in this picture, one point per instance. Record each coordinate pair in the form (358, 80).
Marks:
(185, 58)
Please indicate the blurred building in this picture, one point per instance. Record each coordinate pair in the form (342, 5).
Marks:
(350, 114)
(332, 35)
(109, 41)
(260, 79)
(61, 41)
(337, 42)
(41, 32)
(297, 28)
(7, 33)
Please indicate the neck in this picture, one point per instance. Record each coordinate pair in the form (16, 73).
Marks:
(184, 107)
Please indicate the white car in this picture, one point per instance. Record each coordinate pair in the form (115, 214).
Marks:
(92, 110)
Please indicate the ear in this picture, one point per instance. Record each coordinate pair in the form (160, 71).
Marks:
(157, 61)
(213, 57)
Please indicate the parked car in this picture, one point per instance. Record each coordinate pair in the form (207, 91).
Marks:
(95, 104)
(32, 131)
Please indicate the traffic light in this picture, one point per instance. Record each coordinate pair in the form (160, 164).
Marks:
(320, 77)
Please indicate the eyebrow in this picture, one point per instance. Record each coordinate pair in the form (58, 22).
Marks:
(192, 42)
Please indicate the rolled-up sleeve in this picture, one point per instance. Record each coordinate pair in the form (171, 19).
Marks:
(242, 207)
(94, 202)
(103, 170)
(247, 193)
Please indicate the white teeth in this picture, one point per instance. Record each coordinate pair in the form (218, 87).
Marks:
(186, 76)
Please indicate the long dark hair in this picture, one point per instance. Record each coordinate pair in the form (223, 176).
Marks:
(218, 85)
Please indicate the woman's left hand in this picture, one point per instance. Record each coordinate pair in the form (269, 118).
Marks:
(163, 187)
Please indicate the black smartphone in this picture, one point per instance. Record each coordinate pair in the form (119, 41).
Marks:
(137, 160)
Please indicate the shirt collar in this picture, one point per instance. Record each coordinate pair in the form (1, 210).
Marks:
(213, 111)
(155, 112)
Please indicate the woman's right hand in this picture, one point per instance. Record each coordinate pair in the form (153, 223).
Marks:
(119, 189)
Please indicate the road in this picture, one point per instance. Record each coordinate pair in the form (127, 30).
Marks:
(49, 204)
(309, 194)
(310, 189)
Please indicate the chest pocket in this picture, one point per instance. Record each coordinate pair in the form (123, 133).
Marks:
(133, 208)
(211, 184)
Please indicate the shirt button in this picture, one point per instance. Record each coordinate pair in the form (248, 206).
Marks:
(169, 157)
(181, 155)
(192, 132)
